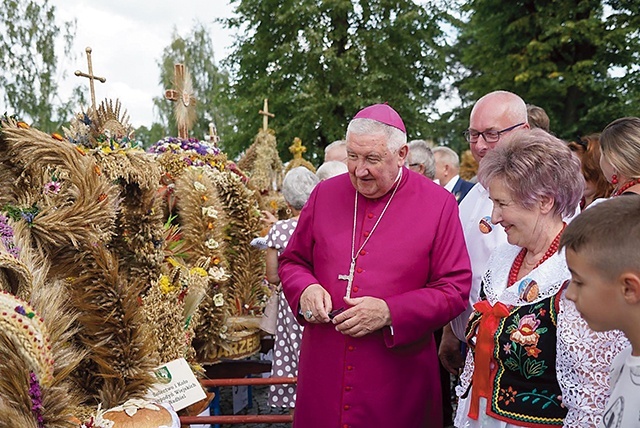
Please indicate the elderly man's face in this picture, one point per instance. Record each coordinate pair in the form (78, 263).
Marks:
(490, 113)
(441, 169)
(338, 153)
(373, 168)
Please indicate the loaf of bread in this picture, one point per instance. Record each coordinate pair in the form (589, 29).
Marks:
(141, 414)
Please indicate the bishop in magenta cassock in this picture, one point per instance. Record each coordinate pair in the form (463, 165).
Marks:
(376, 264)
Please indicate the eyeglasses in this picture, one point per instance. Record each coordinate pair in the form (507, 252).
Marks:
(490, 136)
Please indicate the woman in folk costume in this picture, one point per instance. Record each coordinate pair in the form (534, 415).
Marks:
(375, 265)
(534, 361)
(296, 187)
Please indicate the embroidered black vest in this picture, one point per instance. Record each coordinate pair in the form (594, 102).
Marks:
(525, 386)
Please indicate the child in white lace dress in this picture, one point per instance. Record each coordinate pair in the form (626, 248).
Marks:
(602, 246)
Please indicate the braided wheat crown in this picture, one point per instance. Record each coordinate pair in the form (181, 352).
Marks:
(26, 329)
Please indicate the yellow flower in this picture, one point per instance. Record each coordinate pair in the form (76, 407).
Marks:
(198, 271)
(165, 285)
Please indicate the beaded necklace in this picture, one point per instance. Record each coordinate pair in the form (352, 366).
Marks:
(624, 187)
(517, 263)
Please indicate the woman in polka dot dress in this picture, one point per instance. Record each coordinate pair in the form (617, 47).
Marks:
(296, 187)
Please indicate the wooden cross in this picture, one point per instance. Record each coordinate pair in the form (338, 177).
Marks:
(213, 134)
(266, 115)
(297, 149)
(184, 109)
(91, 78)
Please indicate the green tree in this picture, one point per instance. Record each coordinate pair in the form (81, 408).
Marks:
(150, 136)
(577, 59)
(28, 35)
(320, 61)
(195, 51)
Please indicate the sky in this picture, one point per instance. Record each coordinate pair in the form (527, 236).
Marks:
(127, 38)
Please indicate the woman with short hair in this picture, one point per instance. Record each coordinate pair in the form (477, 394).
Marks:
(534, 361)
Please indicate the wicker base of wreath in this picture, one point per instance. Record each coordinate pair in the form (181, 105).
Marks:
(243, 340)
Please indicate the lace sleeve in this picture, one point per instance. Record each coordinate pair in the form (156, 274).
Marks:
(583, 361)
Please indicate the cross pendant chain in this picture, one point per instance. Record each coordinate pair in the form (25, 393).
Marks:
(349, 277)
(354, 253)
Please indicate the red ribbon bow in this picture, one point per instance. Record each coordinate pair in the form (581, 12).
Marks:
(491, 316)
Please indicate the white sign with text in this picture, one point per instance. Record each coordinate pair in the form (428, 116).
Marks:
(177, 385)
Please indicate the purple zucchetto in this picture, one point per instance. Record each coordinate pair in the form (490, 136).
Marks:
(382, 113)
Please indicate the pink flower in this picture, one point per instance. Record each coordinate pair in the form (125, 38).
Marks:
(526, 332)
(52, 187)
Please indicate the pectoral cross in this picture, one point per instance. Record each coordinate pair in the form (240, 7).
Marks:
(91, 78)
(349, 278)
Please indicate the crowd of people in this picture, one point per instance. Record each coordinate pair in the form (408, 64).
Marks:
(395, 276)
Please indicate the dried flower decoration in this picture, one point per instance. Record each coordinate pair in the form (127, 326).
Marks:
(165, 285)
(16, 214)
(218, 274)
(52, 187)
(198, 271)
(199, 186)
(35, 393)
(210, 212)
(218, 300)
(6, 237)
(211, 244)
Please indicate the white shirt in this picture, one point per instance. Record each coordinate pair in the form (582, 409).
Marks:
(452, 183)
(473, 208)
(623, 408)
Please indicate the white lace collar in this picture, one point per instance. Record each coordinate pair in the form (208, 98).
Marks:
(547, 278)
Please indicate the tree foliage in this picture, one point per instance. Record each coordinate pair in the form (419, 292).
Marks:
(577, 59)
(195, 51)
(28, 75)
(320, 61)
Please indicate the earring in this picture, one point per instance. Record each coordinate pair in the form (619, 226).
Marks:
(614, 179)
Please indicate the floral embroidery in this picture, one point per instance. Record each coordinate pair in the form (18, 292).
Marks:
(532, 351)
(526, 332)
(523, 350)
(507, 348)
(508, 395)
(542, 312)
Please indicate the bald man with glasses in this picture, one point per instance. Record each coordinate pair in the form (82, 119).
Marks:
(492, 116)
